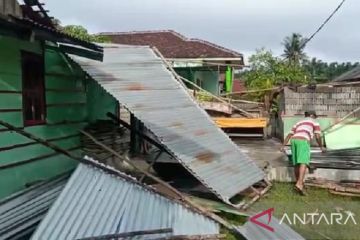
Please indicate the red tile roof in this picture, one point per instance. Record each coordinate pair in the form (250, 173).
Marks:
(173, 45)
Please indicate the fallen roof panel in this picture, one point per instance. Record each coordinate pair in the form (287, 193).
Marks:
(96, 202)
(281, 231)
(21, 212)
(140, 81)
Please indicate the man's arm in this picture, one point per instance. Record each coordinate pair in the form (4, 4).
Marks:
(319, 141)
(317, 132)
(287, 139)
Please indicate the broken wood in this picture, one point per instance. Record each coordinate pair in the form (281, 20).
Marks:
(246, 114)
(39, 140)
(147, 138)
(346, 194)
(129, 234)
(193, 237)
(259, 194)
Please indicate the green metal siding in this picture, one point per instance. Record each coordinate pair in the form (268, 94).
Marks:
(72, 100)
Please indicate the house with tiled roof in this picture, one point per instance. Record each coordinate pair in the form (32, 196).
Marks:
(208, 65)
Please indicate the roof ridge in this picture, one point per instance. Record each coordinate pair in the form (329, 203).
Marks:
(146, 31)
(215, 46)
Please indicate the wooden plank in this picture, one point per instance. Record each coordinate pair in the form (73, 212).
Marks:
(34, 143)
(43, 157)
(65, 104)
(10, 110)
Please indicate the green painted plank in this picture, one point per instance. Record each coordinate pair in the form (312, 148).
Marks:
(61, 82)
(63, 113)
(56, 62)
(32, 151)
(47, 132)
(41, 131)
(12, 138)
(65, 97)
(15, 179)
(15, 118)
(10, 82)
(99, 102)
(10, 101)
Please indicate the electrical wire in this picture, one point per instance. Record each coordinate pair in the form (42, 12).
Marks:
(324, 23)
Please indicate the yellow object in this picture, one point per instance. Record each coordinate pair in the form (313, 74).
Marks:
(240, 122)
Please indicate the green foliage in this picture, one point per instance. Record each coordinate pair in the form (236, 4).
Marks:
(267, 71)
(322, 71)
(294, 46)
(81, 33)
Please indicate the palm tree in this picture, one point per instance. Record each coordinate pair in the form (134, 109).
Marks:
(294, 46)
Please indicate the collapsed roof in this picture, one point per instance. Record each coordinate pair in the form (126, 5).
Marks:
(139, 80)
(97, 203)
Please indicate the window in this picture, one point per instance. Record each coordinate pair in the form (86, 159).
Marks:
(33, 88)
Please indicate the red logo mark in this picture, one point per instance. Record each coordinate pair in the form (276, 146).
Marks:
(254, 219)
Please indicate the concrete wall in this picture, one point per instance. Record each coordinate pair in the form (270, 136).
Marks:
(10, 7)
(331, 104)
(22, 161)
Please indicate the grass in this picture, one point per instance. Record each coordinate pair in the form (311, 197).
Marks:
(284, 199)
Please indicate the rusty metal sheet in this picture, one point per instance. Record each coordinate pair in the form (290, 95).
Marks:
(279, 231)
(140, 81)
(21, 212)
(96, 202)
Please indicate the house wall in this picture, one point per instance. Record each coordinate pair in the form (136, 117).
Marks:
(331, 104)
(209, 77)
(67, 108)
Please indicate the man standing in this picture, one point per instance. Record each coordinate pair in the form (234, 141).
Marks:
(300, 136)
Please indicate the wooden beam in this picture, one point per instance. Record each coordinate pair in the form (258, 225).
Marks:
(34, 143)
(129, 234)
(37, 139)
(42, 157)
(10, 110)
(10, 91)
(65, 104)
(181, 197)
(147, 138)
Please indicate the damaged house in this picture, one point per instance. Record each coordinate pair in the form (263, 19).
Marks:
(42, 93)
(53, 86)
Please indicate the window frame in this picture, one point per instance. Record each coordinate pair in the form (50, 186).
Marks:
(23, 56)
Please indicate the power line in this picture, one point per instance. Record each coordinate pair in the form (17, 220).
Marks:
(324, 23)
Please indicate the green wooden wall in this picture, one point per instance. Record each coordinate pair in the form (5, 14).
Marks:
(72, 101)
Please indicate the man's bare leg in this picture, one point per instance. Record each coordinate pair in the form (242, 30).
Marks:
(296, 172)
(302, 172)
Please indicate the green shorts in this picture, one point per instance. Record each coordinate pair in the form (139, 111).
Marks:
(300, 151)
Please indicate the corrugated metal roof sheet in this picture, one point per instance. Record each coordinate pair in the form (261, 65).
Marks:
(353, 74)
(136, 77)
(96, 203)
(251, 231)
(21, 213)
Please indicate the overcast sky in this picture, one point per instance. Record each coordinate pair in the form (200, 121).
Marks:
(242, 25)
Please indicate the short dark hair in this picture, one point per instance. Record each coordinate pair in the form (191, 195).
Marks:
(309, 113)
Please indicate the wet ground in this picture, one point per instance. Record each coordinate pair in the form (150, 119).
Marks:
(263, 152)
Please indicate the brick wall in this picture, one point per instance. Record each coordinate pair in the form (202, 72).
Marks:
(326, 101)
